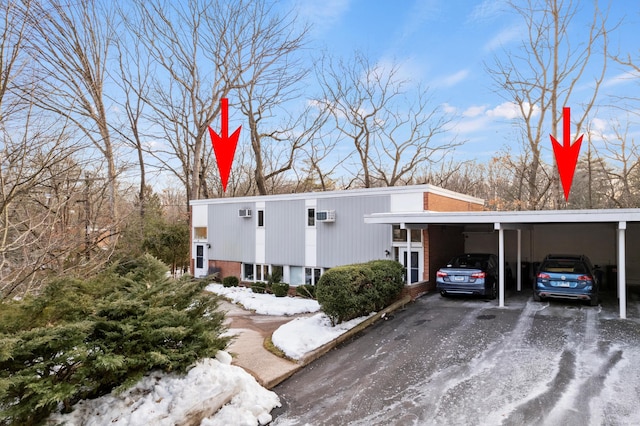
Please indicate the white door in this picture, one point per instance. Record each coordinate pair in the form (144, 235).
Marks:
(201, 262)
(417, 263)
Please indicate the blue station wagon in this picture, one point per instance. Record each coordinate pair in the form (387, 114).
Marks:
(567, 277)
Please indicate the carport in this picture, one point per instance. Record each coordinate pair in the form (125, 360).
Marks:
(613, 234)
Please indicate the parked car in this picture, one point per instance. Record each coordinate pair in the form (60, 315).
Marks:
(470, 274)
(567, 277)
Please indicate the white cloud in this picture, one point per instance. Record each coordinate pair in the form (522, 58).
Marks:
(511, 110)
(474, 111)
(622, 78)
(322, 14)
(504, 37)
(449, 109)
(453, 79)
(486, 10)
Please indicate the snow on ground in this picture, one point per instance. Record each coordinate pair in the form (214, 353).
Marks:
(168, 399)
(303, 335)
(265, 304)
(164, 399)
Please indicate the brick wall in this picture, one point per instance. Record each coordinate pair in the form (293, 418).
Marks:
(227, 268)
(440, 203)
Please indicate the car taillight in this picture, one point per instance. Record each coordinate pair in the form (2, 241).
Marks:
(584, 278)
(479, 275)
(441, 274)
(544, 276)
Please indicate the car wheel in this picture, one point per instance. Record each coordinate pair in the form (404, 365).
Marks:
(494, 291)
(443, 293)
(536, 297)
(595, 300)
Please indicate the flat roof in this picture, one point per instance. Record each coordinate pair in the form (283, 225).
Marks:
(387, 190)
(507, 217)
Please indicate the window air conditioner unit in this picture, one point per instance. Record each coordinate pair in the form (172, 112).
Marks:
(326, 216)
(244, 213)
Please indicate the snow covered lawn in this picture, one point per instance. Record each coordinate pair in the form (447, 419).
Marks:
(265, 304)
(303, 335)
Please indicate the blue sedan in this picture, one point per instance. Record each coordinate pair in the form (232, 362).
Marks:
(469, 274)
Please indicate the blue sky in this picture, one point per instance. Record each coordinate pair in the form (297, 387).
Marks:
(444, 44)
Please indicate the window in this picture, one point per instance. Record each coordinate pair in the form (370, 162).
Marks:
(312, 275)
(400, 235)
(247, 271)
(296, 275)
(311, 217)
(200, 233)
(262, 272)
(260, 218)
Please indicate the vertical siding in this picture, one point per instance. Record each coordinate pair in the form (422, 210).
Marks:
(285, 223)
(349, 239)
(232, 237)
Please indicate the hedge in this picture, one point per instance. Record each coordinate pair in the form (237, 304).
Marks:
(352, 291)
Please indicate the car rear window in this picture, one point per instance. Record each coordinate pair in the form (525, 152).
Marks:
(468, 262)
(564, 266)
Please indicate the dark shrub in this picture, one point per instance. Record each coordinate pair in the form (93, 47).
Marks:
(388, 281)
(259, 287)
(280, 289)
(351, 291)
(81, 339)
(230, 281)
(308, 291)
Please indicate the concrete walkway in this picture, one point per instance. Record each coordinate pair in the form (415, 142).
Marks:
(247, 347)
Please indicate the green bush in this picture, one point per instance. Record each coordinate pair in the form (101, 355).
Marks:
(259, 287)
(230, 281)
(280, 289)
(307, 291)
(82, 339)
(352, 291)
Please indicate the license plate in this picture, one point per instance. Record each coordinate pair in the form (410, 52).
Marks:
(562, 284)
(458, 278)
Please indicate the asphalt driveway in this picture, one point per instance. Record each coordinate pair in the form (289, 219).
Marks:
(468, 362)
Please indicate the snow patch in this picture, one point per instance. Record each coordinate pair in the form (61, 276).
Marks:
(265, 304)
(213, 390)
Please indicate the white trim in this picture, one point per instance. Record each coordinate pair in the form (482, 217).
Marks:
(504, 217)
(344, 193)
(310, 237)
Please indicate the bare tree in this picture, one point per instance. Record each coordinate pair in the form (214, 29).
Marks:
(621, 153)
(70, 45)
(393, 133)
(266, 90)
(201, 51)
(542, 75)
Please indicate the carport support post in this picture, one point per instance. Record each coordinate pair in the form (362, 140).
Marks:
(519, 265)
(622, 267)
(500, 263)
(408, 253)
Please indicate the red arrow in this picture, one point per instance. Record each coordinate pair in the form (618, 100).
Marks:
(224, 146)
(566, 154)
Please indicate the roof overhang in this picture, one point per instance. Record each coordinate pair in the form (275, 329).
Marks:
(511, 218)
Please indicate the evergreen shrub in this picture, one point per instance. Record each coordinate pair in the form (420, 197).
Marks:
(81, 339)
(230, 281)
(307, 291)
(259, 287)
(280, 289)
(351, 291)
